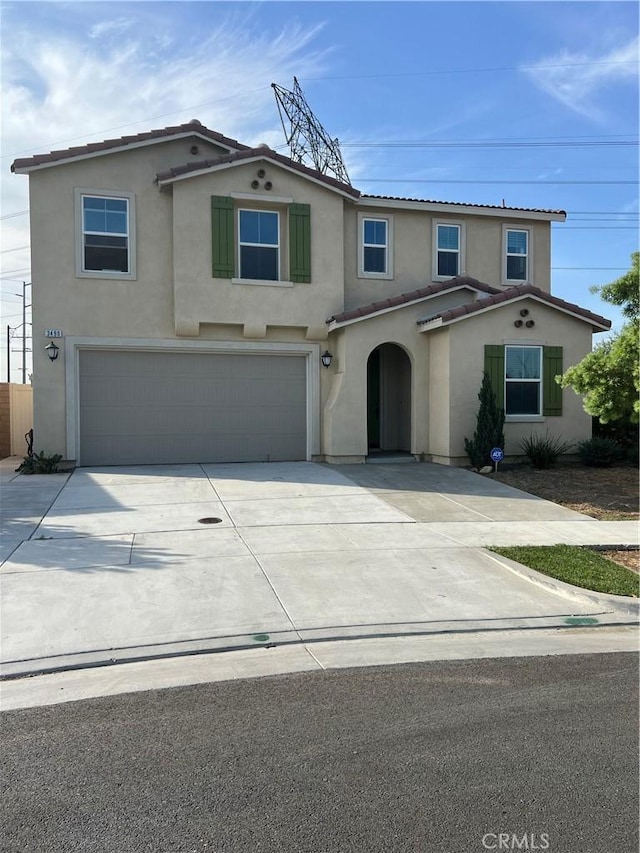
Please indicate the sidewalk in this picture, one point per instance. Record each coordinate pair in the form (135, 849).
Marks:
(114, 565)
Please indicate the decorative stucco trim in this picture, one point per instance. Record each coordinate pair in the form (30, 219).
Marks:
(274, 199)
(73, 346)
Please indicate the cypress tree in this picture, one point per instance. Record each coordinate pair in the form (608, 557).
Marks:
(489, 426)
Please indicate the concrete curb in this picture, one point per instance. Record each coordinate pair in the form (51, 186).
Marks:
(619, 603)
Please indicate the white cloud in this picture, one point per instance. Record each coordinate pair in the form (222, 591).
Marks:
(61, 90)
(65, 86)
(110, 27)
(576, 79)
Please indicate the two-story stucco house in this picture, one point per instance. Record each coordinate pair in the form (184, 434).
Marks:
(198, 283)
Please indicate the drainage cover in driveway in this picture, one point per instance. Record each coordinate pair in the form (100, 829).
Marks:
(209, 520)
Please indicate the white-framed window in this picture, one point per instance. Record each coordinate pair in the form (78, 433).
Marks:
(523, 380)
(448, 250)
(375, 250)
(105, 243)
(517, 255)
(259, 244)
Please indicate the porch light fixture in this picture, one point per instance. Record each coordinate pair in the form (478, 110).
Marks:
(326, 358)
(52, 350)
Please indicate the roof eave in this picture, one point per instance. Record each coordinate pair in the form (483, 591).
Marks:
(428, 325)
(162, 182)
(463, 209)
(87, 155)
(333, 325)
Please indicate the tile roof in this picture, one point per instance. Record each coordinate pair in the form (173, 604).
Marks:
(247, 154)
(413, 296)
(512, 293)
(193, 127)
(364, 198)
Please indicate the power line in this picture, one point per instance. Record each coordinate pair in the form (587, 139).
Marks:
(140, 121)
(474, 70)
(590, 268)
(489, 181)
(487, 144)
(17, 249)
(11, 215)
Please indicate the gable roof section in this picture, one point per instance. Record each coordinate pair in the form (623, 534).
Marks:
(460, 282)
(512, 294)
(109, 146)
(262, 152)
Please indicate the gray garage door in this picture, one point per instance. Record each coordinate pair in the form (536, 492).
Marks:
(169, 407)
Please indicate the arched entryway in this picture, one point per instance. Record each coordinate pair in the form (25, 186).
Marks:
(389, 399)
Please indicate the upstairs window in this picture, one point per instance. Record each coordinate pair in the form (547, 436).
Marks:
(517, 255)
(375, 248)
(105, 234)
(259, 245)
(448, 245)
(523, 380)
(105, 224)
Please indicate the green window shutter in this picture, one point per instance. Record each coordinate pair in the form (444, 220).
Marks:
(494, 366)
(300, 243)
(222, 239)
(551, 391)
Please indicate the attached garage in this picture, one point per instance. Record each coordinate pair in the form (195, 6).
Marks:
(154, 407)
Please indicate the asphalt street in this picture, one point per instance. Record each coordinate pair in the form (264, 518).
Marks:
(539, 753)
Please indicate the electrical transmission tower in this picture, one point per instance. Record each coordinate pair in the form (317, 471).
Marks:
(309, 142)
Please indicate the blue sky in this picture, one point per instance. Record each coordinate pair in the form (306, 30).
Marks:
(534, 103)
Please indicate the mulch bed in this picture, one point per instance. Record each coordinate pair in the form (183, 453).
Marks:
(605, 493)
(608, 494)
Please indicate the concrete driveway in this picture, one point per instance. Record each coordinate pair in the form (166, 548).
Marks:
(118, 564)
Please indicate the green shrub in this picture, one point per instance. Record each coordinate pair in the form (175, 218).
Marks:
(40, 464)
(543, 450)
(599, 452)
(489, 426)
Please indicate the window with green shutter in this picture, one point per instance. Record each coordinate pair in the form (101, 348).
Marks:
(300, 243)
(222, 237)
(552, 392)
(494, 366)
(523, 378)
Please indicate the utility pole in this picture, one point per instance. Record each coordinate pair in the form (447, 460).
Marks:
(25, 285)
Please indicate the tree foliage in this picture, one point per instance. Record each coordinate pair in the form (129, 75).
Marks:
(489, 426)
(625, 290)
(609, 376)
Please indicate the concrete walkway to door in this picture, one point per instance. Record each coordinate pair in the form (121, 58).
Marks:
(123, 564)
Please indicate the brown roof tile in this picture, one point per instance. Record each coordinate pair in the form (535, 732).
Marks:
(193, 126)
(363, 198)
(247, 154)
(412, 296)
(508, 296)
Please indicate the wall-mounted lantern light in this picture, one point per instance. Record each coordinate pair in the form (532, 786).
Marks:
(52, 350)
(326, 358)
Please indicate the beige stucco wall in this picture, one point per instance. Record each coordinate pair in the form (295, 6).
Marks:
(174, 289)
(466, 350)
(99, 307)
(199, 298)
(413, 251)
